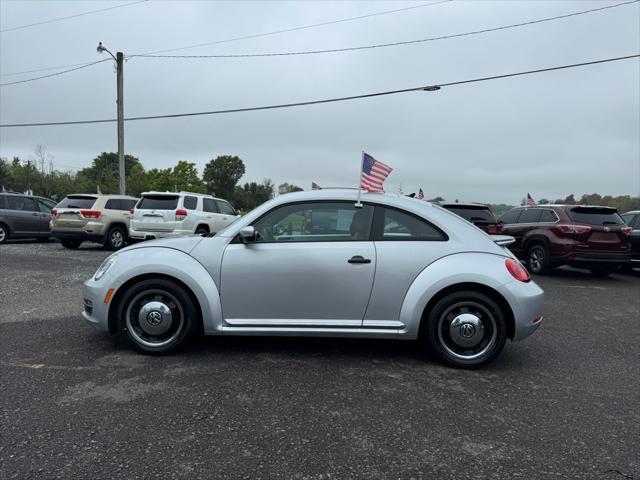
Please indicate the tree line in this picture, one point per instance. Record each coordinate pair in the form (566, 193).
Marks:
(220, 178)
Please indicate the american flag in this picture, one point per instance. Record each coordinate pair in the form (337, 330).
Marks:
(315, 186)
(420, 195)
(530, 200)
(373, 174)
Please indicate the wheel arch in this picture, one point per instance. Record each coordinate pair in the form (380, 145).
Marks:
(118, 224)
(475, 287)
(535, 240)
(6, 226)
(203, 225)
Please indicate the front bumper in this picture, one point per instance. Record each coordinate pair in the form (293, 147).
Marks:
(526, 301)
(96, 311)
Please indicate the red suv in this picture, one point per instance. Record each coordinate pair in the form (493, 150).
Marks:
(582, 236)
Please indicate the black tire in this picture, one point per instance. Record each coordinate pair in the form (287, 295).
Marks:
(201, 230)
(602, 271)
(538, 259)
(161, 301)
(115, 239)
(4, 233)
(71, 244)
(484, 333)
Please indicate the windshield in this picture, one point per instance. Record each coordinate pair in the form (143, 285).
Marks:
(77, 201)
(595, 216)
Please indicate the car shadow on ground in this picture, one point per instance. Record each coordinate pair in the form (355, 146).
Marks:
(576, 273)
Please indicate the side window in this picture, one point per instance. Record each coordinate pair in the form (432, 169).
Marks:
(126, 205)
(511, 216)
(399, 225)
(548, 216)
(27, 204)
(190, 203)
(45, 206)
(628, 219)
(636, 224)
(210, 205)
(530, 215)
(112, 204)
(316, 222)
(225, 208)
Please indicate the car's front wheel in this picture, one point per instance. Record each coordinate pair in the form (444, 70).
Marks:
(157, 316)
(466, 329)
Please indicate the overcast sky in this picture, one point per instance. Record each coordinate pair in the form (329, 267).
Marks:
(551, 134)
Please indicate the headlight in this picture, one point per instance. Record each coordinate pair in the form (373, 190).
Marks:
(106, 265)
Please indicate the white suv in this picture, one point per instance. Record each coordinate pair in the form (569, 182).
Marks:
(165, 214)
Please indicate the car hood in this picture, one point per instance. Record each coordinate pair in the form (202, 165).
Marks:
(184, 244)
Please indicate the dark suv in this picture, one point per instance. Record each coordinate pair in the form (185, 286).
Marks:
(24, 216)
(582, 236)
(477, 213)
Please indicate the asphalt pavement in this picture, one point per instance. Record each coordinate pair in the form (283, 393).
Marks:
(564, 403)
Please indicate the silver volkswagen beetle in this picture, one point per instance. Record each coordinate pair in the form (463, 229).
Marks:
(321, 264)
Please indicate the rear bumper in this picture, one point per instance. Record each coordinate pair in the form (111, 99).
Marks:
(152, 235)
(594, 259)
(526, 301)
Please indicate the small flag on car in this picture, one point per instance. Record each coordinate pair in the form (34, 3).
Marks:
(315, 186)
(420, 195)
(530, 200)
(373, 174)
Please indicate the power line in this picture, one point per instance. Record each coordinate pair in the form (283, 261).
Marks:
(392, 44)
(293, 29)
(432, 87)
(55, 74)
(234, 39)
(70, 16)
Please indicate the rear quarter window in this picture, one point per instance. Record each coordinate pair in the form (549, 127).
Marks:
(548, 216)
(595, 216)
(77, 201)
(158, 202)
(112, 204)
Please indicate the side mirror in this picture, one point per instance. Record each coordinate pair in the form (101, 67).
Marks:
(247, 234)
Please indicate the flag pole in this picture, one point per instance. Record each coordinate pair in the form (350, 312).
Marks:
(358, 204)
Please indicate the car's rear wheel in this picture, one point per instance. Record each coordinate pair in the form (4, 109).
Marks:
(4, 233)
(115, 239)
(157, 316)
(538, 260)
(466, 329)
(71, 244)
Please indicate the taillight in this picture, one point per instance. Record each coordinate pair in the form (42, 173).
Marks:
(181, 214)
(626, 230)
(494, 229)
(573, 229)
(517, 270)
(54, 212)
(90, 213)
(131, 210)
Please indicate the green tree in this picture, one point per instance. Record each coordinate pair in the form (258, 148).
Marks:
(104, 173)
(160, 180)
(185, 177)
(253, 194)
(288, 188)
(221, 175)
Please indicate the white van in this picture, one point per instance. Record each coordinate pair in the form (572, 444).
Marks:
(166, 214)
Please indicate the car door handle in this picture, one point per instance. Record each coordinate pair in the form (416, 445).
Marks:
(359, 259)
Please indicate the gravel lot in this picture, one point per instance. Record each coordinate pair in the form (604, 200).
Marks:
(565, 403)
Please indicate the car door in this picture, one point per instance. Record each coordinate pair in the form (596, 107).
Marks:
(312, 264)
(225, 216)
(23, 214)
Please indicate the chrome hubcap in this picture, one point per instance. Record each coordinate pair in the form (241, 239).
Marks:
(117, 239)
(467, 330)
(154, 318)
(2, 234)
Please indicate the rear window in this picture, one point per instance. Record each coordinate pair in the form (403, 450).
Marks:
(472, 214)
(595, 216)
(77, 201)
(158, 202)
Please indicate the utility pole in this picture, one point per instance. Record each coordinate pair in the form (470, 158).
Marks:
(119, 59)
(120, 102)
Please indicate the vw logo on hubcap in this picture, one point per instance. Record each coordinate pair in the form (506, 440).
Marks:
(467, 330)
(154, 318)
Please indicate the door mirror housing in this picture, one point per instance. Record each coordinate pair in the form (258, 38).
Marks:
(248, 234)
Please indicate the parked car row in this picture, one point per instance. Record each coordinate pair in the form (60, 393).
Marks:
(112, 220)
(549, 236)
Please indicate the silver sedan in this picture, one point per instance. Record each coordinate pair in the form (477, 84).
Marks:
(321, 264)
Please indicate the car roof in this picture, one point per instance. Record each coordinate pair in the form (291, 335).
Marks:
(154, 192)
(344, 194)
